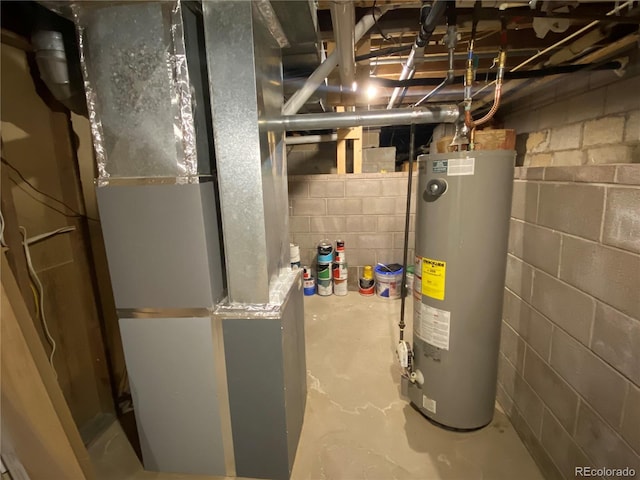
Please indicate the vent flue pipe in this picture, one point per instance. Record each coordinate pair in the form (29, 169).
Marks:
(443, 113)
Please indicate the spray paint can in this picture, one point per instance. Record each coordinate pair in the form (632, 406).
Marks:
(325, 252)
(324, 271)
(366, 283)
(325, 258)
(309, 286)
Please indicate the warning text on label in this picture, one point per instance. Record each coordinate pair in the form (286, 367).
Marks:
(433, 278)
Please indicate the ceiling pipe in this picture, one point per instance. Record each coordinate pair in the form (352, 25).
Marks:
(305, 139)
(451, 40)
(343, 16)
(430, 15)
(443, 113)
(439, 57)
(572, 36)
(298, 99)
(408, 69)
(525, 74)
(513, 86)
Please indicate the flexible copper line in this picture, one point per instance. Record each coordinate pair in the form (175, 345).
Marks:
(471, 123)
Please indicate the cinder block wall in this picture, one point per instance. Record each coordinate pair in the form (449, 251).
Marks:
(569, 371)
(585, 118)
(365, 210)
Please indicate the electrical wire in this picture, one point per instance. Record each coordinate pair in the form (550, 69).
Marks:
(22, 177)
(36, 280)
(2, 230)
(377, 25)
(483, 37)
(44, 236)
(76, 214)
(36, 299)
(561, 42)
(61, 212)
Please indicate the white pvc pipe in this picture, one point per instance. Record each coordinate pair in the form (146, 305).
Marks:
(298, 99)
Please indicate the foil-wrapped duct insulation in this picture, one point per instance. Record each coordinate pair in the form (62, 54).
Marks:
(140, 98)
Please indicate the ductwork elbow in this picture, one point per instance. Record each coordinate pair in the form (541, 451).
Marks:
(52, 63)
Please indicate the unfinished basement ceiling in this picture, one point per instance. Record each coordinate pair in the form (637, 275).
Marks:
(552, 36)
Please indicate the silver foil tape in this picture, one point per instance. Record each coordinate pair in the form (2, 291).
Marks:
(181, 99)
(94, 118)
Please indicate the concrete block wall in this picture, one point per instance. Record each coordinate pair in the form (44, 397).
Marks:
(585, 118)
(569, 366)
(312, 158)
(365, 210)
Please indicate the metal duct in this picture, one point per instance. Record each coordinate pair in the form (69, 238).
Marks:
(248, 87)
(446, 113)
(298, 99)
(144, 111)
(343, 16)
(54, 70)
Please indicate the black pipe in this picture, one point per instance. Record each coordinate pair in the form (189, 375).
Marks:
(522, 74)
(430, 17)
(383, 52)
(407, 218)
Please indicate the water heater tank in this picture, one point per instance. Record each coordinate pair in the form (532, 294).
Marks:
(462, 227)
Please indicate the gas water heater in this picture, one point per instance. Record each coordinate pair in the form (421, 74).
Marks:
(462, 227)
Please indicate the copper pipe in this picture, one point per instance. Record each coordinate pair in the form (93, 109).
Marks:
(468, 119)
(471, 123)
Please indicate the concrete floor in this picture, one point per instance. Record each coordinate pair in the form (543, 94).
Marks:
(357, 426)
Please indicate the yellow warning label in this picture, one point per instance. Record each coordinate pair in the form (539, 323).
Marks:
(433, 278)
